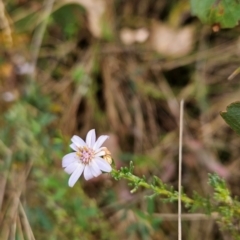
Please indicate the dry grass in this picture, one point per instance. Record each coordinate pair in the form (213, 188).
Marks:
(133, 93)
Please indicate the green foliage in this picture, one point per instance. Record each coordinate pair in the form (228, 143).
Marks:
(70, 19)
(221, 192)
(232, 116)
(220, 202)
(223, 203)
(225, 13)
(54, 210)
(200, 203)
(157, 186)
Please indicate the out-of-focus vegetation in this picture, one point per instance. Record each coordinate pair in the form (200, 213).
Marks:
(120, 67)
(224, 14)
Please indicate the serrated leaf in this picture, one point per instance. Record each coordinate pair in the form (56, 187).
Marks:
(225, 13)
(232, 116)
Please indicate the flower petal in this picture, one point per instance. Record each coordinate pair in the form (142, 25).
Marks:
(76, 175)
(100, 141)
(99, 154)
(78, 141)
(91, 138)
(95, 169)
(68, 159)
(73, 147)
(71, 167)
(88, 173)
(102, 164)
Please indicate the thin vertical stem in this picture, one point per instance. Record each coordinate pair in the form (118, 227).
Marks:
(180, 171)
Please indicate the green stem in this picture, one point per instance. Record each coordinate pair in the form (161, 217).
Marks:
(118, 174)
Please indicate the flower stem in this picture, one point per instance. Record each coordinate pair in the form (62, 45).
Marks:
(159, 189)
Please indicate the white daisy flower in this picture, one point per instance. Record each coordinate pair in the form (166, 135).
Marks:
(87, 158)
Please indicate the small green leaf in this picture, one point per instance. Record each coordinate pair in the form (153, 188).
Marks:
(232, 116)
(225, 13)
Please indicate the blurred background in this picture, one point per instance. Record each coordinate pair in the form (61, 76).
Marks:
(121, 67)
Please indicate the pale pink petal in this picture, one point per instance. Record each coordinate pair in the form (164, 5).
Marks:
(76, 175)
(73, 147)
(102, 164)
(91, 138)
(99, 154)
(71, 167)
(88, 173)
(100, 149)
(68, 159)
(78, 141)
(99, 142)
(95, 169)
